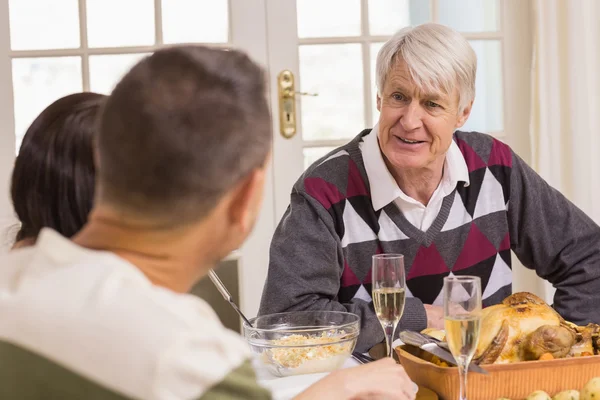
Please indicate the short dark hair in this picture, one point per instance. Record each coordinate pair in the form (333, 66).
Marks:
(53, 177)
(179, 130)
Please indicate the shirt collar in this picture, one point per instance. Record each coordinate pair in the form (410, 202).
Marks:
(384, 188)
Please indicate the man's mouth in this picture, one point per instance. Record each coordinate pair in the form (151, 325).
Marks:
(408, 141)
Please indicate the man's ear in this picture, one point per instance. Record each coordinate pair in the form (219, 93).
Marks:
(464, 115)
(246, 199)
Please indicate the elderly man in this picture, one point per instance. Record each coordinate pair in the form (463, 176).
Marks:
(451, 202)
(182, 147)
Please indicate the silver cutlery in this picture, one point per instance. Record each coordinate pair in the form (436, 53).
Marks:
(226, 295)
(362, 358)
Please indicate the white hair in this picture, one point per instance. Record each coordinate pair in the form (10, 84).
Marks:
(437, 57)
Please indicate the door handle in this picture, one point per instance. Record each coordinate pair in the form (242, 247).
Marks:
(287, 103)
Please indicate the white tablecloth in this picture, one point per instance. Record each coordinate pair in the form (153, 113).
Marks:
(288, 387)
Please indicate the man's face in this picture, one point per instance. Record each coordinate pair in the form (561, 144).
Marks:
(416, 128)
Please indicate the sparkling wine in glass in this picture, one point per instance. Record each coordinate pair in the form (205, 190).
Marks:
(462, 320)
(389, 293)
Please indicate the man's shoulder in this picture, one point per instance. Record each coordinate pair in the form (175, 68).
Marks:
(102, 321)
(332, 171)
(483, 150)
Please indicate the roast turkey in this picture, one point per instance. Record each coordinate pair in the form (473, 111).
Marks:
(523, 327)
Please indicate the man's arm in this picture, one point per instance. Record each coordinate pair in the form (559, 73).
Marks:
(305, 268)
(551, 235)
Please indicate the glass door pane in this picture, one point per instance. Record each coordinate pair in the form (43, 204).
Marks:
(200, 21)
(120, 23)
(107, 70)
(329, 18)
(335, 72)
(43, 24)
(38, 82)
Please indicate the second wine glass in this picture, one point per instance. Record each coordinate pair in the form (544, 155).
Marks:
(389, 293)
(462, 315)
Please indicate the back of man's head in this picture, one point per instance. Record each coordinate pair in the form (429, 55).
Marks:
(180, 130)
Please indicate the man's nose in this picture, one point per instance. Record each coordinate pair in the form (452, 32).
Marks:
(411, 119)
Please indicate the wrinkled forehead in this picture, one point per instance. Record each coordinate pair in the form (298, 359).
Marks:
(424, 79)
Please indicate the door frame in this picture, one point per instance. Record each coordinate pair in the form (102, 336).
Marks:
(7, 136)
(282, 41)
(253, 257)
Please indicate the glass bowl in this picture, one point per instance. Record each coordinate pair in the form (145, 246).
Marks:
(303, 342)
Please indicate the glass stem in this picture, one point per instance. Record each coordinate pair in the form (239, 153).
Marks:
(462, 376)
(389, 329)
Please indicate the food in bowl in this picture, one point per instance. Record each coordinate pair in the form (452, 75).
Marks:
(303, 342)
(297, 351)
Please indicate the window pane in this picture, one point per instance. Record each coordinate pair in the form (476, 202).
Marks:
(375, 47)
(107, 70)
(118, 23)
(488, 110)
(37, 82)
(470, 15)
(388, 16)
(312, 154)
(318, 18)
(334, 72)
(188, 21)
(43, 24)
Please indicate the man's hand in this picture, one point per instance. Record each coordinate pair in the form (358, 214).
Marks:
(435, 316)
(382, 379)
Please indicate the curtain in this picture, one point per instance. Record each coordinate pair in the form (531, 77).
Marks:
(565, 101)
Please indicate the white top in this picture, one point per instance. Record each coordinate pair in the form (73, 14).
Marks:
(98, 315)
(385, 190)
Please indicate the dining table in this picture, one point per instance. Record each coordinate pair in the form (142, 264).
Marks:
(287, 388)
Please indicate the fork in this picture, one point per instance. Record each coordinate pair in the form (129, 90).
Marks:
(362, 358)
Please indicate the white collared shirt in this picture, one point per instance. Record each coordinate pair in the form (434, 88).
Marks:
(385, 190)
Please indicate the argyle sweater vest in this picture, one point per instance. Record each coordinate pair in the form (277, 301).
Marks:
(470, 235)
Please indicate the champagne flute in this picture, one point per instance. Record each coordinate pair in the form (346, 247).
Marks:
(462, 317)
(389, 293)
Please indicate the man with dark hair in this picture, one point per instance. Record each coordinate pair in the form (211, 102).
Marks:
(182, 147)
(156, 122)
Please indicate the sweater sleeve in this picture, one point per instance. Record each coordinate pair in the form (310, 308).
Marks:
(305, 269)
(555, 238)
